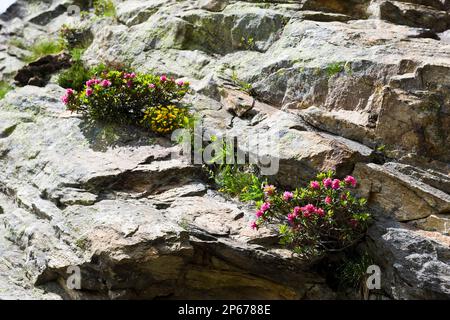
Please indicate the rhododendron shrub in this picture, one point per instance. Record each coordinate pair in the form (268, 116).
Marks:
(125, 98)
(324, 216)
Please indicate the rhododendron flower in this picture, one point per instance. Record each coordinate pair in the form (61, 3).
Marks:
(320, 212)
(129, 84)
(151, 86)
(350, 180)
(69, 92)
(180, 83)
(65, 99)
(89, 83)
(254, 225)
(328, 200)
(269, 190)
(307, 214)
(315, 185)
(297, 210)
(129, 75)
(265, 206)
(105, 83)
(309, 208)
(259, 213)
(163, 78)
(291, 217)
(336, 184)
(327, 183)
(89, 92)
(287, 196)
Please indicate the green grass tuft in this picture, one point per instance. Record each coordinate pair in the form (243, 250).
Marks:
(335, 68)
(43, 48)
(4, 89)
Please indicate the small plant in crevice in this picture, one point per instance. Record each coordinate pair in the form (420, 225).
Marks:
(236, 180)
(240, 181)
(322, 217)
(335, 68)
(352, 273)
(243, 86)
(104, 8)
(121, 97)
(4, 89)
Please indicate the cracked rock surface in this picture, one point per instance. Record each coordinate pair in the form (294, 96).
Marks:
(360, 87)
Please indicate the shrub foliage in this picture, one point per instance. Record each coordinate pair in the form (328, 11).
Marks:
(321, 217)
(117, 96)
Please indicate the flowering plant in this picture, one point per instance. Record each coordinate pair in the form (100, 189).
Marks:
(165, 119)
(324, 216)
(122, 97)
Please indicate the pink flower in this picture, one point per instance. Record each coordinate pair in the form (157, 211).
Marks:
(89, 83)
(350, 180)
(259, 213)
(307, 214)
(163, 78)
(151, 86)
(327, 183)
(180, 83)
(65, 99)
(89, 92)
(309, 208)
(291, 217)
(315, 185)
(129, 75)
(69, 92)
(265, 206)
(129, 84)
(336, 184)
(105, 83)
(254, 225)
(320, 212)
(328, 200)
(297, 210)
(269, 190)
(287, 196)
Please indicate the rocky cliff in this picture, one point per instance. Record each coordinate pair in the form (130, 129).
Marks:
(358, 86)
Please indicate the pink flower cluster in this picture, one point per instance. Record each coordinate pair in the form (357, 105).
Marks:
(92, 82)
(260, 213)
(307, 211)
(66, 97)
(288, 196)
(333, 184)
(129, 75)
(350, 180)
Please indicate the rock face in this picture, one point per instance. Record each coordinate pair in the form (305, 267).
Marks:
(360, 87)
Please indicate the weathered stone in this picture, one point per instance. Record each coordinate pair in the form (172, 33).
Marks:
(409, 257)
(336, 90)
(393, 193)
